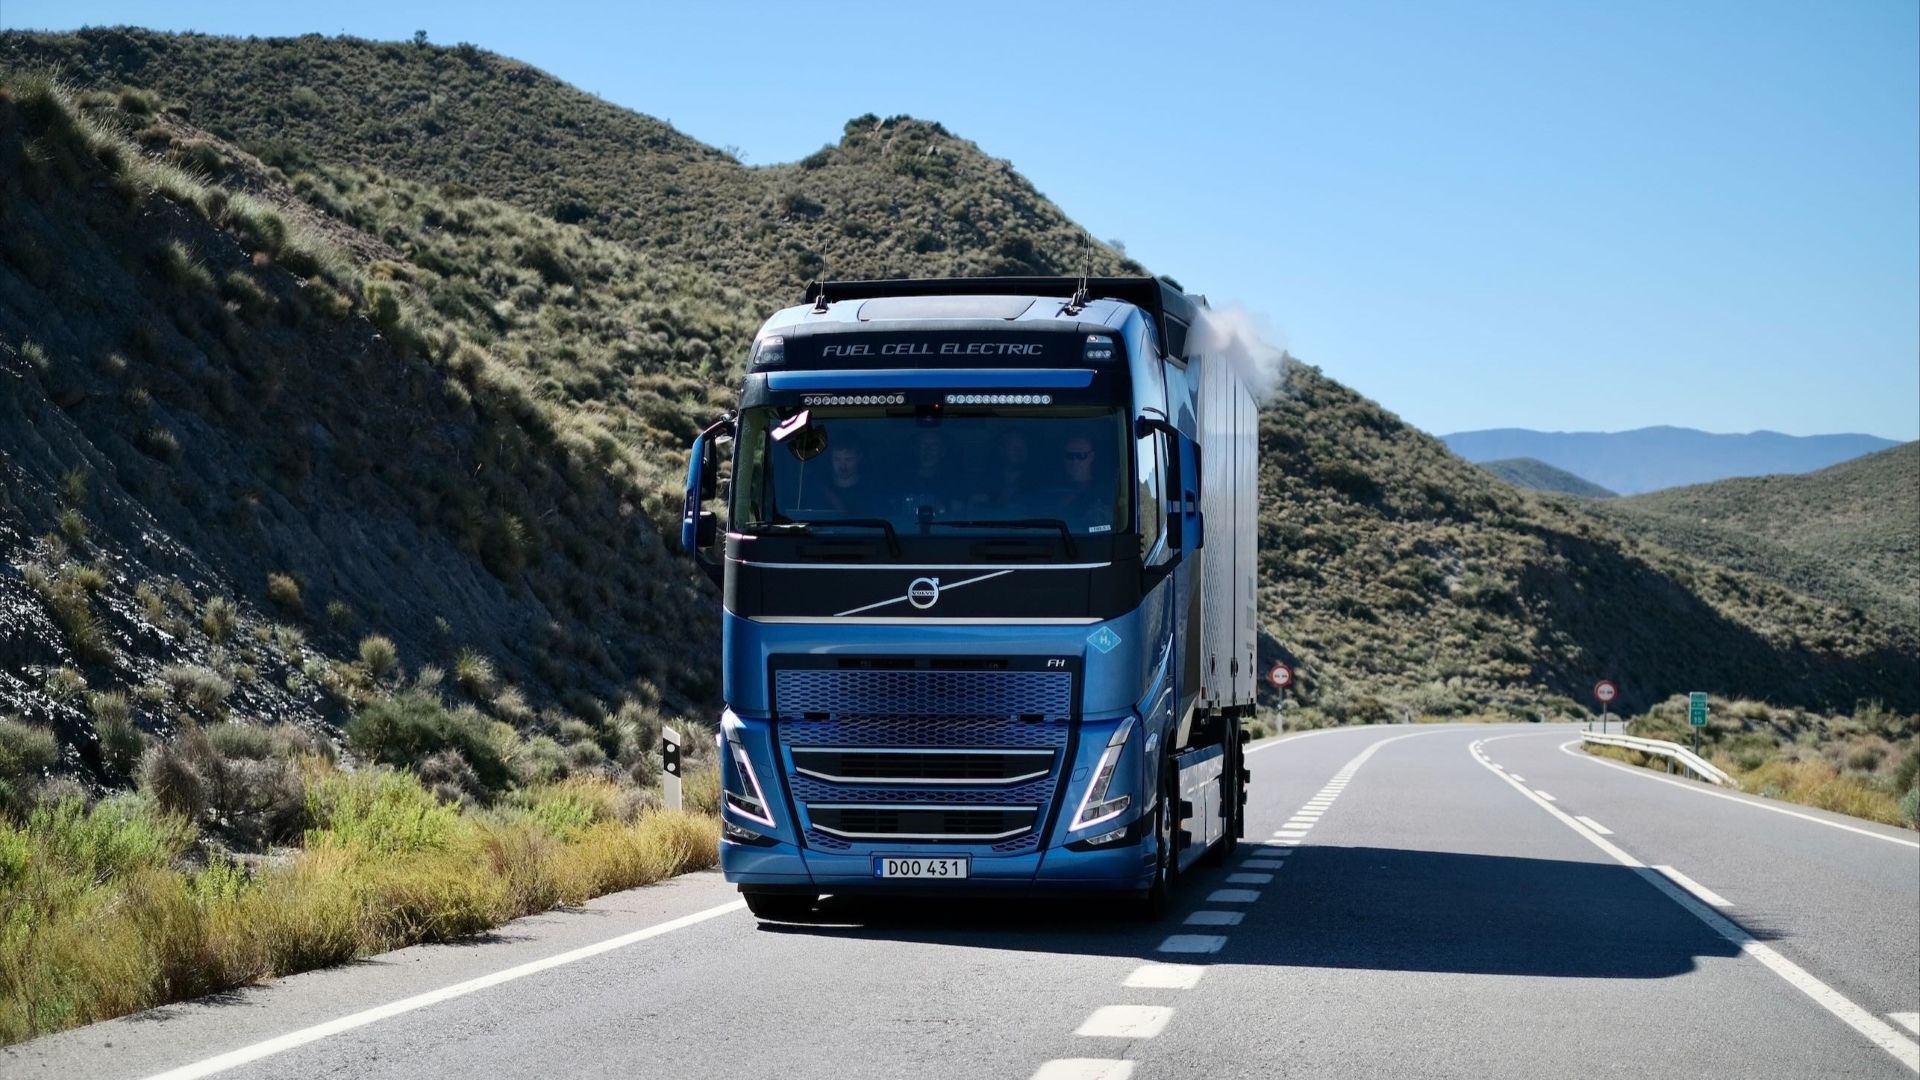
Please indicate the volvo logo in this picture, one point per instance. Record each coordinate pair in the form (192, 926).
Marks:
(924, 592)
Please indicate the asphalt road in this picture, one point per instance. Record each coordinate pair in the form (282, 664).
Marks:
(1420, 902)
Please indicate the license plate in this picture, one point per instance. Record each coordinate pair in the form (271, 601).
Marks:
(939, 869)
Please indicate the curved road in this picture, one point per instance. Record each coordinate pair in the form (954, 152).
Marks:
(1466, 901)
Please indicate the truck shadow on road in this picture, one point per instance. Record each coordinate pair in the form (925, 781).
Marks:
(1336, 907)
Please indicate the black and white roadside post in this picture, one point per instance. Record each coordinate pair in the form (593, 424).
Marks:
(1280, 677)
(670, 767)
(1603, 692)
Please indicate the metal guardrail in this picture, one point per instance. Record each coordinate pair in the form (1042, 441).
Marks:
(1673, 752)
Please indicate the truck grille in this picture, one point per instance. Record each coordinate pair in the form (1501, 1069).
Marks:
(890, 754)
(985, 824)
(887, 765)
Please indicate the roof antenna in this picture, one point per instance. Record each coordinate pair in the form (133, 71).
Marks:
(820, 298)
(1080, 295)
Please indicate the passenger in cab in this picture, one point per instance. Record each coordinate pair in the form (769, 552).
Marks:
(846, 490)
(1087, 501)
(929, 489)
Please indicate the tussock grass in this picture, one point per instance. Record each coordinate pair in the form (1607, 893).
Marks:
(1866, 765)
(100, 919)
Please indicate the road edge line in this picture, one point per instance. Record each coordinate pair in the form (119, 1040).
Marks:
(280, 1043)
(1877, 1031)
(1697, 790)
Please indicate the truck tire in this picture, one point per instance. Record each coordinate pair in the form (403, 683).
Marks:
(1231, 795)
(1152, 904)
(779, 906)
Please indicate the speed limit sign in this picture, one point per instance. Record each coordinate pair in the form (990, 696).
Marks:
(1281, 676)
(1604, 692)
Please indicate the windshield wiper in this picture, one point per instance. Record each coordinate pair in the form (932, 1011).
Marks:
(1066, 534)
(787, 525)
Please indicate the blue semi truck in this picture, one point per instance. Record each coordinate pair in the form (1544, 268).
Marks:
(988, 574)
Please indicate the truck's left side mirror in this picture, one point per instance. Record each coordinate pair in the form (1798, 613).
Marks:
(698, 526)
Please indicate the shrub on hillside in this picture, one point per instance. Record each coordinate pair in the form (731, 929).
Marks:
(410, 727)
(379, 655)
(26, 753)
(284, 591)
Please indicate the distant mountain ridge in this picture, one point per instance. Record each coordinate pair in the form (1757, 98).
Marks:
(1536, 475)
(1652, 458)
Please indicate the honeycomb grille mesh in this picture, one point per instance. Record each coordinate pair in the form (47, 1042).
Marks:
(924, 693)
(923, 708)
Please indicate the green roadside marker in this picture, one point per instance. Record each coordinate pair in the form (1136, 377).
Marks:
(1697, 715)
(1697, 709)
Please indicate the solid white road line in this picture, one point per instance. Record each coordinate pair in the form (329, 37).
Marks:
(1215, 918)
(1165, 977)
(1878, 1031)
(269, 1047)
(1249, 879)
(1084, 1069)
(1695, 887)
(1544, 795)
(1193, 943)
(1594, 825)
(1756, 804)
(1125, 1022)
(1910, 1021)
(1233, 896)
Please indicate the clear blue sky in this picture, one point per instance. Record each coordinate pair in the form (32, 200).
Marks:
(1595, 215)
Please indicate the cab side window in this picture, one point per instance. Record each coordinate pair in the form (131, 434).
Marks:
(1151, 503)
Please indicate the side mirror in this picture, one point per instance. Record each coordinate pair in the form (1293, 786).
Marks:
(699, 527)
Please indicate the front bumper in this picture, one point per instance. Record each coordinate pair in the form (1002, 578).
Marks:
(1122, 868)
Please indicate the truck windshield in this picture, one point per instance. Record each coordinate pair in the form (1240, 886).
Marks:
(1027, 470)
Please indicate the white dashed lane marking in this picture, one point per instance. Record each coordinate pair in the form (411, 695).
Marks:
(1215, 918)
(1193, 943)
(1084, 1069)
(1165, 977)
(1594, 825)
(1544, 795)
(1125, 1022)
(1146, 1021)
(1910, 1021)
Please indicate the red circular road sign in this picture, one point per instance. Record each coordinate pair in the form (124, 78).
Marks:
(1604, 691)
(1281, 676)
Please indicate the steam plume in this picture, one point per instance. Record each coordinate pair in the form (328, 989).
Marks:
(1245, 340)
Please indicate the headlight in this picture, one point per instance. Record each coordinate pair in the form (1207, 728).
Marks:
(749, 801)
(1095, 805)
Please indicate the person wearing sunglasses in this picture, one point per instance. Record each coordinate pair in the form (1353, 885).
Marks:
(1084, 503)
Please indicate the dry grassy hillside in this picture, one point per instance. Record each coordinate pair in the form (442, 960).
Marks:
(891, 196)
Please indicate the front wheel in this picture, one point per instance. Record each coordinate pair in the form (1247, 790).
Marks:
(1152, 905)
(779, 906)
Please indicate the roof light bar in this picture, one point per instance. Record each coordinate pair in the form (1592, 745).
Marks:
(999, 399)
(854, 399)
